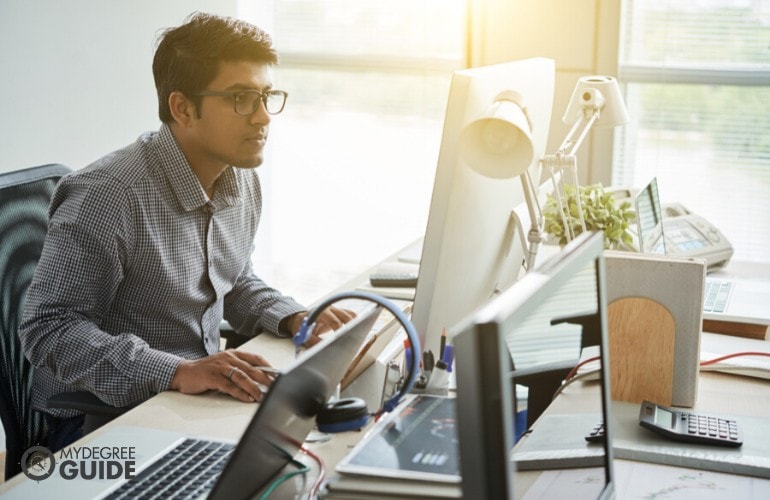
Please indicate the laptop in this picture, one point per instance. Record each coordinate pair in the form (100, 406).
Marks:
(224, 469)
(726, 297)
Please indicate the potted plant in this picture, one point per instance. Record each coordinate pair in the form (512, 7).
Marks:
(601, 212)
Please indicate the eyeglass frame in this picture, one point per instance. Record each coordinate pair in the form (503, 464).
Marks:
(262, 98)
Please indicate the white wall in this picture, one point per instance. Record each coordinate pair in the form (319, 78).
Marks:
(76, 75)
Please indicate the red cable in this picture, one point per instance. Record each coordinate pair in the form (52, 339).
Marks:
(321, 471)
(574, 370)
(736, 354)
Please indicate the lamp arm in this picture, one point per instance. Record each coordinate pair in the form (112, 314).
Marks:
(535, 234)
(585, 121)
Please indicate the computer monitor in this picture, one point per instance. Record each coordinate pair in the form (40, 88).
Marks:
(471, 249)
(533, 331)
(649, 220)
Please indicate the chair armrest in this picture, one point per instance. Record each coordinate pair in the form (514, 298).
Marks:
(232, 339)
(85, 402)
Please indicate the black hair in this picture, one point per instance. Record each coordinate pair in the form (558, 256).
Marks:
(188, 56)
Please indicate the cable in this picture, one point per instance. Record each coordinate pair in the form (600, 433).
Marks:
(321, 472)
(733, 355)
(582, 363)
(302, 469)
(574, 379)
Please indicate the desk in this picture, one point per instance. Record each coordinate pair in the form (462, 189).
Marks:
(219, 416)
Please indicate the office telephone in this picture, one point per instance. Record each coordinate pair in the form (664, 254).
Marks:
(684, 233)
(691, 235)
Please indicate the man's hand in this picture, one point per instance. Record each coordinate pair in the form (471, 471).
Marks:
(329, 320)
(236, 373)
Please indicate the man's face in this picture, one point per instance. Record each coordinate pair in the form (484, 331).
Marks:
(222, 136)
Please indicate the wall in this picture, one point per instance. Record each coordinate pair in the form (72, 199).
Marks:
(580, 35)
(77, 80)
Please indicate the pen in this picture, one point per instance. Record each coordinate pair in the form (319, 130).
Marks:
(427, 361)
(439, 378)
(408, 356)
(443, 344)
(448, 357)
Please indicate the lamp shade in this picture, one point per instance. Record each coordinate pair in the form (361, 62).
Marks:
(498, 143)
(597, 93)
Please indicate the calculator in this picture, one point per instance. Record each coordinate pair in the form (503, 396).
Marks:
(690, 427)
(596, 435)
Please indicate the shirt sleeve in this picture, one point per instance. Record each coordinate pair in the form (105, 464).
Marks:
(253, 306)
(89, 241)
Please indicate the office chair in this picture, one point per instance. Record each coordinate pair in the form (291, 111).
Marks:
(24, 199)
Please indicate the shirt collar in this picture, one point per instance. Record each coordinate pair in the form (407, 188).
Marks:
(182, 180)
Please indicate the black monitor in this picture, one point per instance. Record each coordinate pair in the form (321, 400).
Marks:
(514, 348)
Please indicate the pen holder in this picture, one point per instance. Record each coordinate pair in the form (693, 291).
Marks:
(436, 382)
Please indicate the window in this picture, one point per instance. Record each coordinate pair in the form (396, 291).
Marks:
(350, 164)
(697, 77)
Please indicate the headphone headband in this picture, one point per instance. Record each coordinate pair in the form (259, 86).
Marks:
(411, 333)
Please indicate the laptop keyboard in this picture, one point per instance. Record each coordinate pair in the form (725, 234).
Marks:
(187, 471)
(715, 295)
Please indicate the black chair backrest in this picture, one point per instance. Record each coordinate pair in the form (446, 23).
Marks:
(24, 199)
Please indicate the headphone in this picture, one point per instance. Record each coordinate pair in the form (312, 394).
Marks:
(351, 413)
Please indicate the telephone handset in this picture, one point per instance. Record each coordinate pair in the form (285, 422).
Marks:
(688, 234)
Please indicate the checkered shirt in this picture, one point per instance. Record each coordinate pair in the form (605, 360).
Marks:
(137, 272)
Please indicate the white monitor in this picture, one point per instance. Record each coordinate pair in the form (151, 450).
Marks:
(472, 250)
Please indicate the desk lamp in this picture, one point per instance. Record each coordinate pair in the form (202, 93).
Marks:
(498, 144)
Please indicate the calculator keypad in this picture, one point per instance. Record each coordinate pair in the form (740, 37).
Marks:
(596, 435)
(713, 427)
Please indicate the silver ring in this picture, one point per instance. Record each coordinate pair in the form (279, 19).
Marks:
(230, 375)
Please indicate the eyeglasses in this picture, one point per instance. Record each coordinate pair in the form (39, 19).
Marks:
(246, 102)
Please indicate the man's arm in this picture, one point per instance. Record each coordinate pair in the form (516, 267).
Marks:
(89, 241)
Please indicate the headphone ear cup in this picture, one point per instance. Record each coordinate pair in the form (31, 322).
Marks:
(343, 415)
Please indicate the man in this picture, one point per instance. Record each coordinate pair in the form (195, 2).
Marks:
(149, 247)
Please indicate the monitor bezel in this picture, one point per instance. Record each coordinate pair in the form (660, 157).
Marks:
(484, 380)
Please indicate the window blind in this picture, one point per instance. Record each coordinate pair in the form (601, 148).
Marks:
(697, 85)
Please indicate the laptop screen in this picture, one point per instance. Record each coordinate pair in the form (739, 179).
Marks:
(287, 414)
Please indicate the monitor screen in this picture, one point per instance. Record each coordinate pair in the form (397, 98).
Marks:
(472, 250)
(649, 220)
(519, 354)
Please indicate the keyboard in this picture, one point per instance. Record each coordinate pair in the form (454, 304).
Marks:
(715, 295)
(187, 471)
